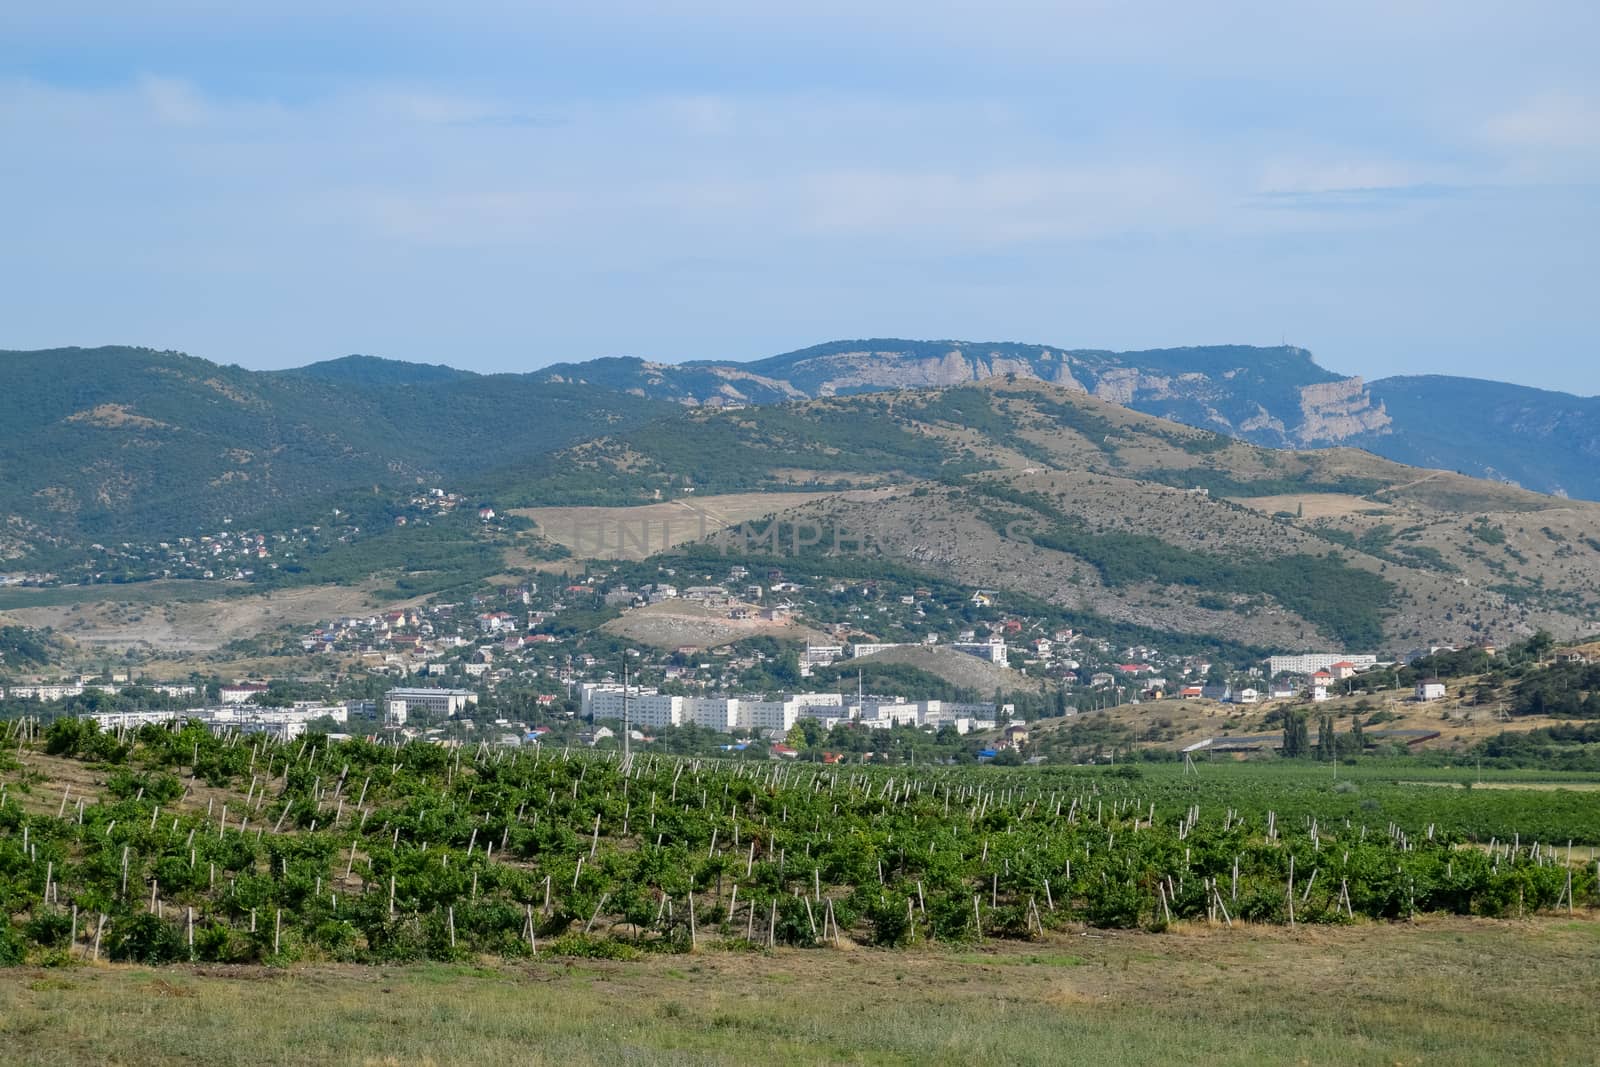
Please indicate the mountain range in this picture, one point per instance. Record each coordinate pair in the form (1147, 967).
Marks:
(1278, 396)
(105, 441)
(1067, 475)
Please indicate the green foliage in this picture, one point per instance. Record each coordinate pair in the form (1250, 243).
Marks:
(22, 647)
(147, 939)
(1489, 534)
(1296, 742)
(1565, 691)
(82, 737)
(593, 861)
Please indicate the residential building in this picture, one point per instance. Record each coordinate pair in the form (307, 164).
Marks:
(1311, 662)
(241, 692)
(993, 650)
(444, 702)
(44, 692)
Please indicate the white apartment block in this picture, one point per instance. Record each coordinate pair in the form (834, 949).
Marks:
(758, 715)
(132, 720)
(43, 692)
(649, 708)
(1312, 662)
(993, 650)
(869, 649)
(283, 723)
(715, 713)
(434, 701)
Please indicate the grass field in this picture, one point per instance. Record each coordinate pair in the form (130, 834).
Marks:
(1438, 991)
(1312, 505)
(19, 598)
(635, 532)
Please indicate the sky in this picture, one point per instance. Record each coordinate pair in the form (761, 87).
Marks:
(1403, 186)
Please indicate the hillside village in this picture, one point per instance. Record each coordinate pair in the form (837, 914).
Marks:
(245, 552)
(542, 661)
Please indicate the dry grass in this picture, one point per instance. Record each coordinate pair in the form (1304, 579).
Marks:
(635, 532)
(1459, 725)
(1452, 991)
(678, 623)
(1311, 505)
(117, 622)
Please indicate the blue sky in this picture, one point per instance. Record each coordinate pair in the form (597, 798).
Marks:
(1402, 187)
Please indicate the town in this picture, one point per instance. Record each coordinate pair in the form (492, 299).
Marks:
(558, 659)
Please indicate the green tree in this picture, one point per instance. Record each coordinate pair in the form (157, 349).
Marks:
(1296, 737)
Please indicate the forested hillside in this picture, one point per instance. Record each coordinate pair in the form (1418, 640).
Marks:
(117, 443)
(1546, 441)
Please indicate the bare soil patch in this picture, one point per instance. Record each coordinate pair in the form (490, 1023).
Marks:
(677, 623)
(116, 625)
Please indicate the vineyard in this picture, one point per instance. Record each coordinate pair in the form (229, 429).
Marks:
(237, 849)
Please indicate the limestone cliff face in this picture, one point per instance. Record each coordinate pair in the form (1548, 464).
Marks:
(736, 386)
(1130, 386)
(1336, 411)
(1222, 398)
(1119, 386)
(849, 372)
(1276, 397)
(1261, 423)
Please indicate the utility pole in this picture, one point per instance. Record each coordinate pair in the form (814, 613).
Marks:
(627, 752)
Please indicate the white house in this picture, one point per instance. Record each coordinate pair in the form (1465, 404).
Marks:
(1430, 691)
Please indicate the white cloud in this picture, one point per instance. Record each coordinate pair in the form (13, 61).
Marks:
(394, 209)
(173, 102)
(1559, 121)
(1297, 176)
